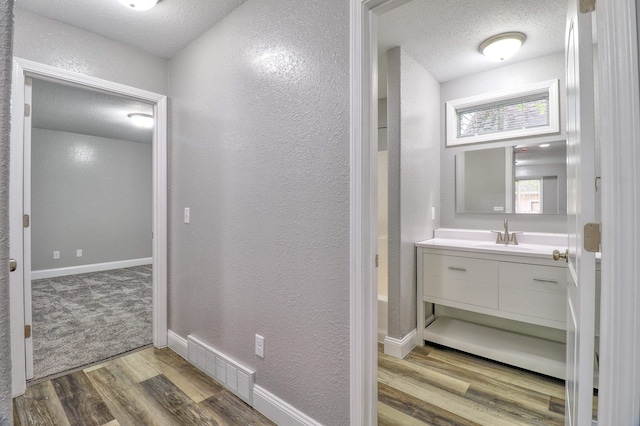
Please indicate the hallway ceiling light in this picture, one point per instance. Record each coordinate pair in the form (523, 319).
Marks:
(139, 4)
(502, 46)
(141, 120)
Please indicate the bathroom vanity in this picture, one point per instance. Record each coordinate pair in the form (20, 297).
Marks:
(467, 270)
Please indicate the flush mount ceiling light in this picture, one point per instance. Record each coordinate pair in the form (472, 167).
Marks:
(502, 46)
(139, 4)
(141, 120)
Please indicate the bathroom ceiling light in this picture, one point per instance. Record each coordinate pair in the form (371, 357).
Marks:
(139, 4)
(502, 46)
(141, 120)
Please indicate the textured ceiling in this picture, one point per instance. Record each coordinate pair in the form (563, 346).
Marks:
(87, 112)
(444, 35)
(162, 31)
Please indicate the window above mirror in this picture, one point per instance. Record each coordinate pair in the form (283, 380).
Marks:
(530, 110)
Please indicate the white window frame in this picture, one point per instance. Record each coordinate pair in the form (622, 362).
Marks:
(550, 87)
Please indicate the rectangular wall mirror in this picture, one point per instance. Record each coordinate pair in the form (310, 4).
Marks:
(521, 179)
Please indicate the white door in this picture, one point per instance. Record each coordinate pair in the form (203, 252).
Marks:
(20, 236)
(580, 210)
(26, 195)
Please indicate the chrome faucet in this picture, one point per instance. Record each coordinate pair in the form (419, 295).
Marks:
(506, 238)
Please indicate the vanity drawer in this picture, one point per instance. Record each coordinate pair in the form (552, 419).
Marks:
(533, 290)
(551, 306)
(546, 279)
(458, 290)
(462, 268)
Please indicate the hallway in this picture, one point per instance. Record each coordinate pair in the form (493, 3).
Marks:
(149, 387)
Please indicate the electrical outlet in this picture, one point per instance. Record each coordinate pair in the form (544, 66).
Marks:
(187, 215)
(79, 253)
(56, 254)
(433, 213)
(260, 346)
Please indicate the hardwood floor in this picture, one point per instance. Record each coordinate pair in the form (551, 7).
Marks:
(431, 386)
(441, 386)
(150, 387)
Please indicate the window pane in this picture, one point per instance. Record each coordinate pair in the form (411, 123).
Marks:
(528, 196)
(517, 114)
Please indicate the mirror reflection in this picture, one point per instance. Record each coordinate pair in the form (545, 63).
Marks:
(522, 179)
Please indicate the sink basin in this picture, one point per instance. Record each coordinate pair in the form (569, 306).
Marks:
(506, 247)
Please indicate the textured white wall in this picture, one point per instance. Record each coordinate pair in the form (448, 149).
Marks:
(60, 45)
(507, 77)
(89, 193)
(259, 150)
(6, 31)
(413, 98)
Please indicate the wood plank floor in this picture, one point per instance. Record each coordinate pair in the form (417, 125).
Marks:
(441, 386)
(149, 387)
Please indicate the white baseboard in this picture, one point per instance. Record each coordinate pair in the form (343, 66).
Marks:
(399, 348)
(278, 410)
(94, 267)
(178, 344)
(381, 335)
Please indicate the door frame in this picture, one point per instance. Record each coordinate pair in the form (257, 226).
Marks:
(22, 69)
(619, 401)
(617, 33)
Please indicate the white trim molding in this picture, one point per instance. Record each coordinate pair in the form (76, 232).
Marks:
(363, 208)
(178, 344)
(619, 375)
(93, 267)
(279, 411)
(22, 69)
(363, 334)
(399, 348)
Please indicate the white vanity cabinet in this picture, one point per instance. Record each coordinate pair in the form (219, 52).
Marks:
(530, 290)
(520, 287)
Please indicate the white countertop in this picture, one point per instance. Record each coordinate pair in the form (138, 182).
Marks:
(533, 244)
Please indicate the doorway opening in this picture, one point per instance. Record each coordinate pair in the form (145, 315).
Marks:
(89, 198)
(430, 201)
(88, 221)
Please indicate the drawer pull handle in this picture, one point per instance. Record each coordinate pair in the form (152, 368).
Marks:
(455, 268)
(542, 280)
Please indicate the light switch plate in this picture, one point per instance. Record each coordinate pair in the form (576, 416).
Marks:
(56, 254)
(79, 253)
(260, 346)
(187, 215)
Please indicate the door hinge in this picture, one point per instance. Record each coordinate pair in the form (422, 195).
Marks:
(25, 221)
(27, 331)
(592, 237)
(376, 261)
(27, 110)
(587, 6)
